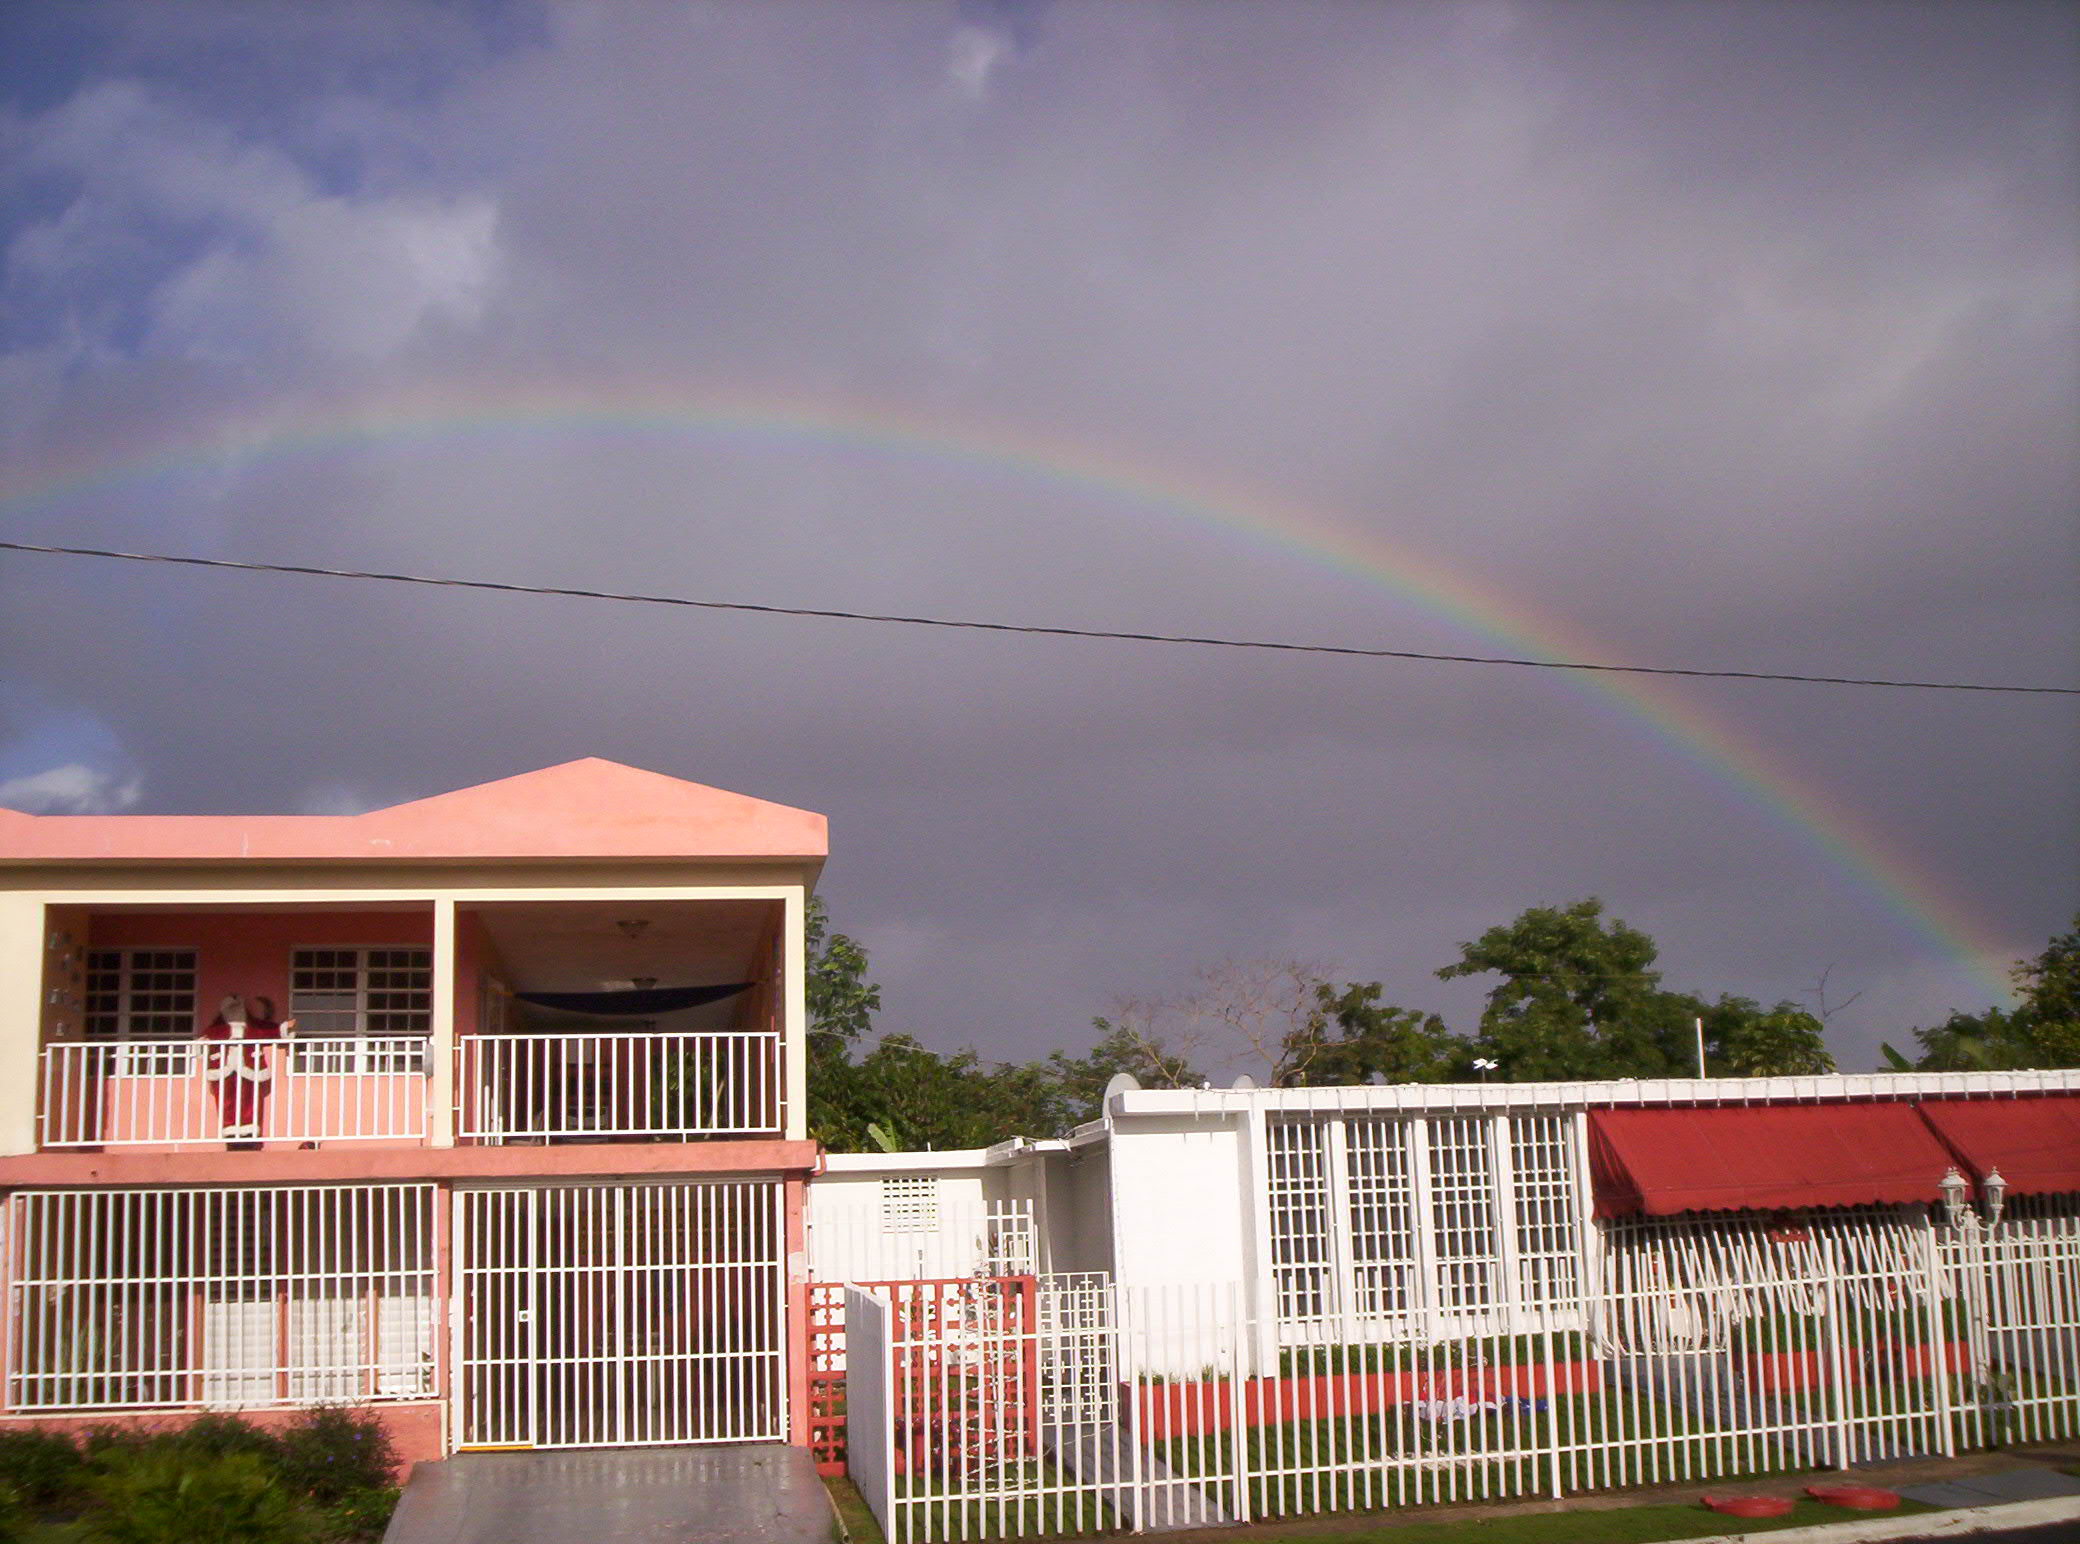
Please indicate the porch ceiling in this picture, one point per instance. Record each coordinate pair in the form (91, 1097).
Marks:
(582, 946)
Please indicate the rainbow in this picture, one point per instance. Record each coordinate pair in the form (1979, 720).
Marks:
(1742, 765)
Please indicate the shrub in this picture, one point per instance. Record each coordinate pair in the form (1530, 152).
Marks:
(331, 1453)
(40, 1468)
(218, 1436)
(363, 1514)
(164, 1494)
(13, 1514)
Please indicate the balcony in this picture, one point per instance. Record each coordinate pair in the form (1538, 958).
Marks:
(618, 1087)
(161, 1093)
(642, 1086)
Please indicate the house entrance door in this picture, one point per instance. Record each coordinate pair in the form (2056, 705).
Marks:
(609, 1315)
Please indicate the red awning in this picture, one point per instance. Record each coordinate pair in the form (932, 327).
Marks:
(2033, 1141)
(1761, 1157)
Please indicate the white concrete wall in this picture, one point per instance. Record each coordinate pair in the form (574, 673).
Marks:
(848, 1234)
(1179, 1194)
(1079, 1218)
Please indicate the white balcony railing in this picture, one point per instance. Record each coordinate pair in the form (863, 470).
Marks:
(662, 1086)
(190, 1093)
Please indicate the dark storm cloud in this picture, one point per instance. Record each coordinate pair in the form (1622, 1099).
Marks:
(1713, 333)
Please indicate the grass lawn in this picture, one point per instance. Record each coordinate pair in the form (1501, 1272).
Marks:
(1614, 1525)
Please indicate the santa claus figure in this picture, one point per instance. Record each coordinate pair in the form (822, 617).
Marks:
(240, 1068)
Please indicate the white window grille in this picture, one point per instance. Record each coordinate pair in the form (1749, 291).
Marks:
(1296, 1191)
(1462, 1210)
(1381, 1223)
(1382, 1218)
(141, 995)
(221, 1297)
(909, 1205)
(1542, 1186)
(380, 998)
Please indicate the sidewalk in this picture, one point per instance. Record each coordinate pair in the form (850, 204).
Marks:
(751, 1494)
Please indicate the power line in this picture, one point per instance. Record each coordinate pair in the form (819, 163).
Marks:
(1104, 634)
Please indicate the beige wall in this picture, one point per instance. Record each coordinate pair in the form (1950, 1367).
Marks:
(21, 1017)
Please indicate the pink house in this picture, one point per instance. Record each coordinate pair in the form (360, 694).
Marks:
(526, 1170)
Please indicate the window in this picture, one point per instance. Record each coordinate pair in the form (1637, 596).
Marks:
(142, 995)
(909, 1205)
(1382, 1212)
(1542, 1179)
(1462, 1206)
(224, 1297)
(1445, 1220)
(380, 997)
(1297, 1190)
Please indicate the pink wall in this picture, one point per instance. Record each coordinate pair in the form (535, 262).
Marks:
(415, 1429)
(248, 952)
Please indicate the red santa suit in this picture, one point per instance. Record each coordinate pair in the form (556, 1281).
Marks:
(239, 1071)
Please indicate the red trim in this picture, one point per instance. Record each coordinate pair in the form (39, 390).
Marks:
(2034, 1140)
(1762, 1158)
(798, 1435)
(363, 1161)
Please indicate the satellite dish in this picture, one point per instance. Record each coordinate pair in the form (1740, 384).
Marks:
(1245, 1083)
(1121, 1083)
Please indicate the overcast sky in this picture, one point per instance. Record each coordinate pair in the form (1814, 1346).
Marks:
(1713, 335)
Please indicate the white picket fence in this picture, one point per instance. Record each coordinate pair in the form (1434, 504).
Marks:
(1079, 1407)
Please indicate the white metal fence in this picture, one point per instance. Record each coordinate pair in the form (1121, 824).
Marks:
(222, 1297)
(720, 1083)
(1149, 1408)
(888, 1243)
(176, 1093)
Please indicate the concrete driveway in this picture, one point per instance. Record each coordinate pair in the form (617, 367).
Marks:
(753, 1494)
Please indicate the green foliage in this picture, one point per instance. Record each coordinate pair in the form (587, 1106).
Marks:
(1579, 997)
(2042, 1030)
(1371, 1040)
(902, 1092)
(216, 1435)
(331, 1453)
(363, 1514)
(163, 1493)
(40, 1468)
(1745, 1040)
(328, 1475)
(1080, 1081)
(842, 1001)
(14, 1513)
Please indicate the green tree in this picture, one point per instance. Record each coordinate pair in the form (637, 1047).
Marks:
(2042, 1030)
(1372, 1039)
(1579, 997)
(1078, 1083)
(923, 1100)
(842, 1002)
(2050, 988)
(1745, 1040)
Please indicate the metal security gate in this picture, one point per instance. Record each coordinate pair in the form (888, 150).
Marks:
(607, 1315)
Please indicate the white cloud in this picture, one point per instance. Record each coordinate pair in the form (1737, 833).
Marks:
(976, 52)
(261, 257)
(347, 279)
(73, 789)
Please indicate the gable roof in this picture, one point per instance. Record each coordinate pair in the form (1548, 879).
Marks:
(580, 809)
